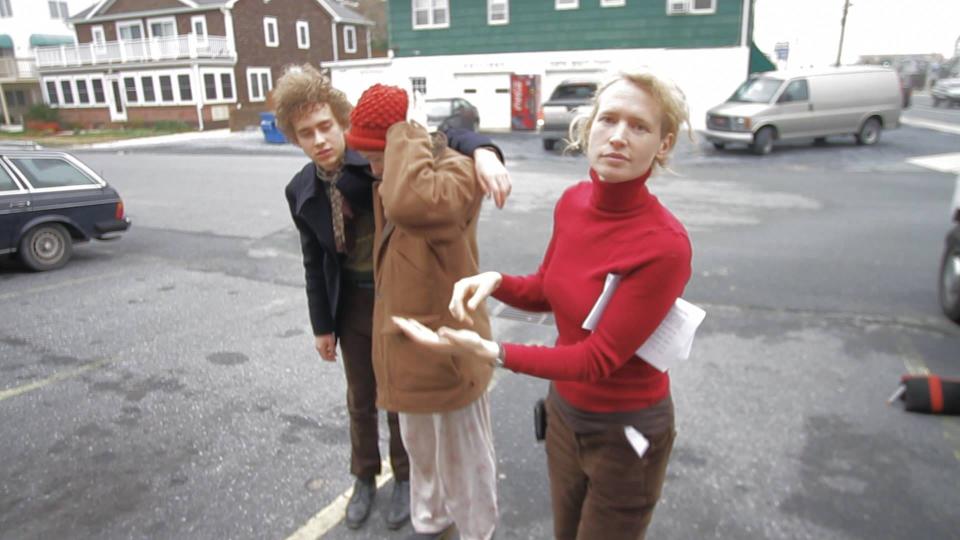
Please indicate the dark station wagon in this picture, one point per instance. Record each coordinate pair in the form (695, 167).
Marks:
(50, 200)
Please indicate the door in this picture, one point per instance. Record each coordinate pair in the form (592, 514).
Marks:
(794, 112)
(14, 207)
(115, 99)
(490, 94)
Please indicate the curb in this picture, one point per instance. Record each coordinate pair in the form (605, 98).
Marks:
(158, 140)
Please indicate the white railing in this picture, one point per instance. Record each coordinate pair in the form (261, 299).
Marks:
(18, 68)
(138, 50)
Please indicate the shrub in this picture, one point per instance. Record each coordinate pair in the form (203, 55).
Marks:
(43, 113)
(170, 125)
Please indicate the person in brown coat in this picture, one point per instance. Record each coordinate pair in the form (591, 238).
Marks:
(426, 208)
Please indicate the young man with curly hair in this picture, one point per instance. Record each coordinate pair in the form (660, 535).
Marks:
(331, 203)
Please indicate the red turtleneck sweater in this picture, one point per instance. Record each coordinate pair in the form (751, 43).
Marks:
(601, 228)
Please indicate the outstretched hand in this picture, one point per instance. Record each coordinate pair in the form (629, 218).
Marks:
(470, 292)
(448, 340)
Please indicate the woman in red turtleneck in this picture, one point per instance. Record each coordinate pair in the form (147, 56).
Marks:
(610, 224)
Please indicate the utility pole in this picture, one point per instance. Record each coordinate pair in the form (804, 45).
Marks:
(843, 27)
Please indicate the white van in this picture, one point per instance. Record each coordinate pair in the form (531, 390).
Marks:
(782, 105)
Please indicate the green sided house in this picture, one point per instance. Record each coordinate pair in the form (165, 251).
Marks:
(494, 53)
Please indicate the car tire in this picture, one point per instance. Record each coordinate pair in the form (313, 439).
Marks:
(548, 144)
(820, 141)
(719, 145)
(763, 141)
(949, 289)
(46, 247)
(936, 102)
(869, 132)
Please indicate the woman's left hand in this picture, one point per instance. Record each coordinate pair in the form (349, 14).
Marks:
(448, 340)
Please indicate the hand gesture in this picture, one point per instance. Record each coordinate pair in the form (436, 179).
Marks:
(469, 292)
(327, 346)
(492, 175)
(447, 340)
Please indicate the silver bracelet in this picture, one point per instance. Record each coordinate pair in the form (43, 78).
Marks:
(501, 355)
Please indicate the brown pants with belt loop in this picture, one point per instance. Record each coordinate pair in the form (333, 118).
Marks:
(354, 330)
(600, 488)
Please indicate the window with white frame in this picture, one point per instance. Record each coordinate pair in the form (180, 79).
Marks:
(98, 95)
(52, 97)
(198, 25)
(418, 85)
(58, 10)
(162, 27)
(567, 4)
(97, 35)
(303, 34)
(184, 86)
(149, 92)
(270, 36)
(66, 89)
(166, 88)
(703, 6)
(350, 39)
(5, 10)
(226, 85)
(430, 14)
(612, 3)
(696, 7)
(130, 30)
(259, 82)
(498, 11)
(130, 87)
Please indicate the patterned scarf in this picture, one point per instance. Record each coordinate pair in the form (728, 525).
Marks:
(329, 180)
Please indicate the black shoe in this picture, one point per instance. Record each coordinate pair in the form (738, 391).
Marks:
(399, 511)
(358, 509)
(430, 536)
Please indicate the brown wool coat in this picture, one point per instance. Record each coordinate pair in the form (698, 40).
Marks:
(426, 209)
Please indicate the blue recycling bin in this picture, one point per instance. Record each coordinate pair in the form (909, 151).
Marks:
(268, 124)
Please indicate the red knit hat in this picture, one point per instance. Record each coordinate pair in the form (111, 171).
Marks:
(379, 108)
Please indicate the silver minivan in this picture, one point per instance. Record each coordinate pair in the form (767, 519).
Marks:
(781, 105)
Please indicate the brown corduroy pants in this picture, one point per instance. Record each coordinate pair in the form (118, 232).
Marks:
(600, 488)
(354, 330)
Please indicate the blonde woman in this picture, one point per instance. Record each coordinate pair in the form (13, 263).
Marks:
(611, 427)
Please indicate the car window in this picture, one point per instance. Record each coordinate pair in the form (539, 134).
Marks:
(6, 183)
(796, 91)
(574, 91)
(438, 108)
(758, 90)
(44, 172)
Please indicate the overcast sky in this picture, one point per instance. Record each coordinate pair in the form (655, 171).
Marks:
(873, 27)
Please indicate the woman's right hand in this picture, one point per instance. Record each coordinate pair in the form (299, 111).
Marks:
(469, 292)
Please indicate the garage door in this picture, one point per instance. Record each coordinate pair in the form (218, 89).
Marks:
(490, 94)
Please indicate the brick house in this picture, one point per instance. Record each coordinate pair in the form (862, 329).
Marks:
(207, 63)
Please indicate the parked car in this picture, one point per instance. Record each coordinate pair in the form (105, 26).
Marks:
(946, 91)
(562, 108)
(860, 100)
(443, 113)
(950, 262)
(50, 200)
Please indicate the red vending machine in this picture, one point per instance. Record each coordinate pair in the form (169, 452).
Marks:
(524, 101)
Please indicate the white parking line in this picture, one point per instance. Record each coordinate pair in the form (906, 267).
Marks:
(14, 392)
(948, 163)
(331, 516)
(930, 124)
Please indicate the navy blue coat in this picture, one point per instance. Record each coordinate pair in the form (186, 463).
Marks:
(310, 209)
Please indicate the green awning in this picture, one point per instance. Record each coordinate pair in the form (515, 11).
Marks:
(45, 40)
(6, 42)
(759, 62)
